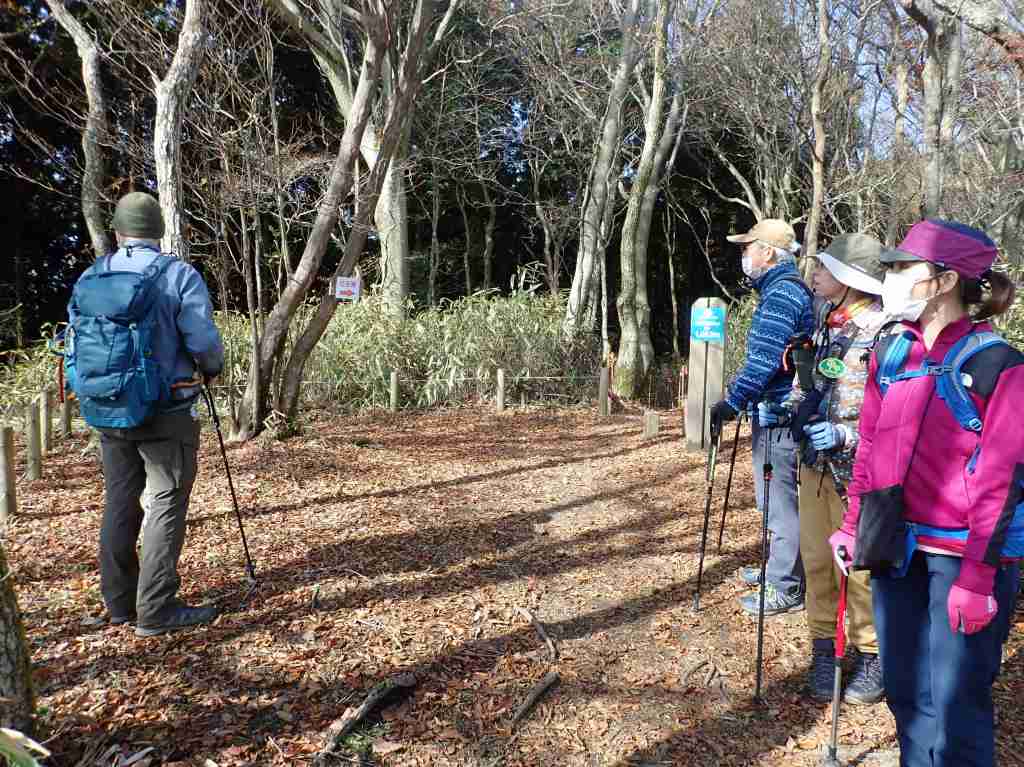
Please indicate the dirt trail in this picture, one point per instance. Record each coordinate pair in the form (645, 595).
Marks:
(411, 543)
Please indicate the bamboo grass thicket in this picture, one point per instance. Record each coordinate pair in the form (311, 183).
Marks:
(446, 356)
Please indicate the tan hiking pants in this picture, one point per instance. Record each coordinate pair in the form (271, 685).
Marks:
(820, 516)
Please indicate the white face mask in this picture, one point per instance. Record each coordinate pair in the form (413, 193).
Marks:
(896, 293)
(750, 270)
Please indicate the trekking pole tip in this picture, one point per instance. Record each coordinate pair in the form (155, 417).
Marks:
(696, 603)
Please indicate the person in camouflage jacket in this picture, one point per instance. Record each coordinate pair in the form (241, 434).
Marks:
(847, 280)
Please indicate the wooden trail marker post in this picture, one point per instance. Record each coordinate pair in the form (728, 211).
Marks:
(706, 368)
(501, 390)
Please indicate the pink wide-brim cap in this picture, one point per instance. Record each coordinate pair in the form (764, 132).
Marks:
(931, 241)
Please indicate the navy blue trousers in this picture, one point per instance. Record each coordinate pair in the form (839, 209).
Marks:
(938, 683)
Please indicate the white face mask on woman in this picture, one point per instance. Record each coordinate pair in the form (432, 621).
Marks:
(897, 288)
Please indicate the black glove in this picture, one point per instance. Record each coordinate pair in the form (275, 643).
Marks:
(721, 412)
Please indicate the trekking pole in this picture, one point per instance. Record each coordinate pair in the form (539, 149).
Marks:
(728, 482)
(709, 475)
(831, 760)
(250, 568)
(767, 435)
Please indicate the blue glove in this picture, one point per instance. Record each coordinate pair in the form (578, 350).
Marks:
(825, 435)
(770, 415)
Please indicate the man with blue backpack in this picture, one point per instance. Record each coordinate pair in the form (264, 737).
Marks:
(141, 340)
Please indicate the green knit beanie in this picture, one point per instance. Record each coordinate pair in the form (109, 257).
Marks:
(138, 215)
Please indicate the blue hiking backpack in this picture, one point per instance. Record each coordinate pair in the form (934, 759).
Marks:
(108, 354)
(952, 382)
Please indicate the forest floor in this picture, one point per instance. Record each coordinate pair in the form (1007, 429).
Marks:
(411, 544)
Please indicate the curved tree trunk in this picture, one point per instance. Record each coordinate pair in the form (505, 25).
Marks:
(15, 665)
(636, 352)
(415, 58)
(252, 408)
(172, 94)
(581, 308)
(95, 131)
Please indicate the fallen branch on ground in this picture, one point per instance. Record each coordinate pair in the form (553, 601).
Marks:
(552, 649)
(340, 728)
(691, 671)
(538, 689)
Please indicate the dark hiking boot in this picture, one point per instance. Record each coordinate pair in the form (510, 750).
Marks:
(776, 601)
(177, 618)
(120, 620)
(865, 685)
(750, 575)
(822, 676)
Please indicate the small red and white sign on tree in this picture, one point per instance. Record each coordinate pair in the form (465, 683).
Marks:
(347, 289)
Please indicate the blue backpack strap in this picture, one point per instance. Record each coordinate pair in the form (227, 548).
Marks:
(150, 276)
(950, 385)
(892, 355)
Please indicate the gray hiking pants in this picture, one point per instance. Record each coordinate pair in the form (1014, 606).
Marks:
(161, 454)
(785, 569)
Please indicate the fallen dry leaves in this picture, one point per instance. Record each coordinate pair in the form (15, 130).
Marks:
(416, 543)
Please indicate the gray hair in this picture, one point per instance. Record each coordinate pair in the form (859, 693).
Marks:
(781, 255)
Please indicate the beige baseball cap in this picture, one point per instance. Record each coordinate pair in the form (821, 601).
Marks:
(772, 231)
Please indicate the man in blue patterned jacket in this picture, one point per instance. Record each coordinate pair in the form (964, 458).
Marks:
(784, 310)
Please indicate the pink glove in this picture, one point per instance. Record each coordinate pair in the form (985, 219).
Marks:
(968, 611)
(841, 538)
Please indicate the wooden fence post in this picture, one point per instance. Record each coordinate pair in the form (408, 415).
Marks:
(394, 391)
(651, 424)
(8, 501)
(45, 421)
(501, 390)
(34, 460)
(65, 417)
(602, 393)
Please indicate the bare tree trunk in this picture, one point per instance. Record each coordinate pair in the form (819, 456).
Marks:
(392, 221)
(435, 243)
(941, 85)
(897, 205)
(818, 118)
(581, 307)
(15, 664)
(172, 94)
(542, 216)
(462, 197)
(395, 134)
(636, 352)
(252, 408)
(95, 131)
(252, 303)
(492, 218)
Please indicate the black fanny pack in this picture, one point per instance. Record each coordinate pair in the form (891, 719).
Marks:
(881, 530)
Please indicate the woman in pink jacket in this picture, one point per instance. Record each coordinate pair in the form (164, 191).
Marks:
(936, 506)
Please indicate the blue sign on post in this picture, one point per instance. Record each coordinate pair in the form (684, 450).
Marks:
(707, 324)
